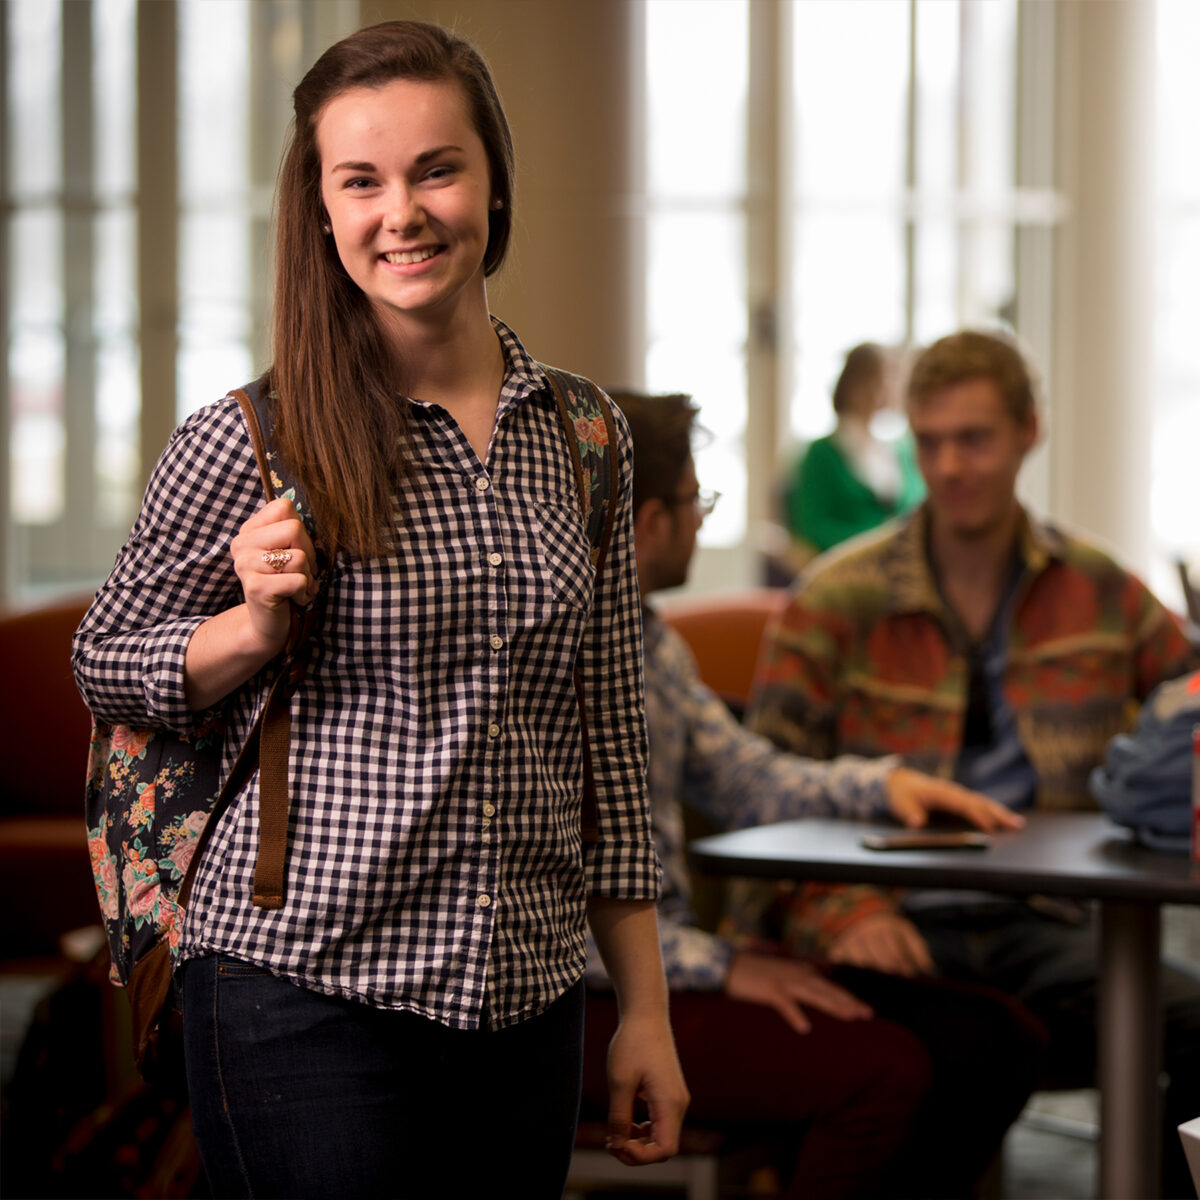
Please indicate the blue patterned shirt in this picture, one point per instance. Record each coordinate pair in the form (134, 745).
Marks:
(434, 853)
(700, 757)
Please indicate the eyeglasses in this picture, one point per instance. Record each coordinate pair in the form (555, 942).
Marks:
(702, 500)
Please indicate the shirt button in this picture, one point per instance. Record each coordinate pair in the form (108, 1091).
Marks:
(489, 810)
(495, 559)
(481, 484)
(496, 641)
(493, 731)
(487, 837)
(484, 900)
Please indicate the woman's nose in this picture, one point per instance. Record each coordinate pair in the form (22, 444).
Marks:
(403, 210)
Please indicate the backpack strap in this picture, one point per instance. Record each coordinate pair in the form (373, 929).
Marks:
(268, 746)
(598, 490)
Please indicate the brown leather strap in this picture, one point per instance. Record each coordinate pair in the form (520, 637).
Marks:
(273, 747)
(243, 768)
(256, 439)
(269, 744)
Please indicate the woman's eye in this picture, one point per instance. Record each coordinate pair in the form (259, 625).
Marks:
(441, 172)
(358, 184)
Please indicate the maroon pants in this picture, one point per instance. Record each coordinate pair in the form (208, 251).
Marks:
(912, 1105)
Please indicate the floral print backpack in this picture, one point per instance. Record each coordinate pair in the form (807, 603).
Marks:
(152, 793)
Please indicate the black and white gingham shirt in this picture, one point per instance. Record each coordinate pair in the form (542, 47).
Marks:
(434, 854)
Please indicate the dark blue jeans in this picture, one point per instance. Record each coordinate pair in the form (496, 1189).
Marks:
(299, 1094)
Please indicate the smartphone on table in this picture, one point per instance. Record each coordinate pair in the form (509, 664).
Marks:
(927, 839)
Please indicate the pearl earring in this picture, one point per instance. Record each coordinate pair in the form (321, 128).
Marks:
(326, 229)
(497, 204)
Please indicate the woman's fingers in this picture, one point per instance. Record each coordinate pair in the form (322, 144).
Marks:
(276, 565)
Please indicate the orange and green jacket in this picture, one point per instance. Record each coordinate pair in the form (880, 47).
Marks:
(867, 659)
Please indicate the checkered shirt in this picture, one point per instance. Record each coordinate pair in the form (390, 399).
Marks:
(434, 859)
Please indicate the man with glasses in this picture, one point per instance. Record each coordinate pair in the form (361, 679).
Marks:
(881, 1086)
(985, 646)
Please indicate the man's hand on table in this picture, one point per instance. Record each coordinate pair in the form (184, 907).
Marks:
(912, 796)
(784, 984)
(887, 941)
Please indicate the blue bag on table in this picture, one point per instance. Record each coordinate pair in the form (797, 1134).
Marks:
(1145, 781)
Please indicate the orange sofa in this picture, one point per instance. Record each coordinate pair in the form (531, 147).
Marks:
(45, 873)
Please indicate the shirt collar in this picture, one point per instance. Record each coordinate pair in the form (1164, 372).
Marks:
(523, 377)
(911, 583)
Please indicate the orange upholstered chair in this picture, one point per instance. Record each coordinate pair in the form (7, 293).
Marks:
(725, 631)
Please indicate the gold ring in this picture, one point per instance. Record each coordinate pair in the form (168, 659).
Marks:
(277, 559)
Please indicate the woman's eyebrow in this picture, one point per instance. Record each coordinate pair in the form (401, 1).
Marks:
(426, 155)
(421, 158)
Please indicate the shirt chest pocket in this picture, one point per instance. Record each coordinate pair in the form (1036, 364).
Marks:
(565, 555)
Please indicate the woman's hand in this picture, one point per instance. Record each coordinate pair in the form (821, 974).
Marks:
(274, 560)
(642, 1065)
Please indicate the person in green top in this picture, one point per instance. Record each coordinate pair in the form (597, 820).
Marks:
(852, 480)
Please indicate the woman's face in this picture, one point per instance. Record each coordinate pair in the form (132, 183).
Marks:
(405, 181)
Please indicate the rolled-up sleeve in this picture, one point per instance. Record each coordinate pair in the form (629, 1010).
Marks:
(622, 863)
(172, 575)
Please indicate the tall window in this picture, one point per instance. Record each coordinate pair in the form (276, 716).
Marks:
(697, 226)
(1176, 381)
(820, 174)
(97, 179)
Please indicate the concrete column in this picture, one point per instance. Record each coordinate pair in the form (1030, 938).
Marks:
(569, 75)
(1101, 407)
(158, 224)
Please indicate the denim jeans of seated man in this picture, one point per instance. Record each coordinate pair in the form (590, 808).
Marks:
(298, 1094)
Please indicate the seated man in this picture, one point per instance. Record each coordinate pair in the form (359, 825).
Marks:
(982, 645)
(913, 1100)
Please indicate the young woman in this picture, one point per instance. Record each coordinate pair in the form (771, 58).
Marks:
(409, 1021)
(852, 480)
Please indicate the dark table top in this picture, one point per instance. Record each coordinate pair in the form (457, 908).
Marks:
(1083, 855)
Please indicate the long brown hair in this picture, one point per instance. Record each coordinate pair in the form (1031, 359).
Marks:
(338, 423)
